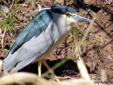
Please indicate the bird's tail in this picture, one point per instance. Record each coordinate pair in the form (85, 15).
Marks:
(9, 62)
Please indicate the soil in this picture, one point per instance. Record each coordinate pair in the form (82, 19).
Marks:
(97, 50)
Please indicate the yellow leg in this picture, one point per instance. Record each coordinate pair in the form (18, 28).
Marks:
(56, 78)
(51, 71)
(46, 65)
(39, 68)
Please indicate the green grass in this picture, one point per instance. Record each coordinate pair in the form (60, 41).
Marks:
(5, 50)
(7, 23)
(74, 32)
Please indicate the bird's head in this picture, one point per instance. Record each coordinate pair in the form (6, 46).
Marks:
(70, 13)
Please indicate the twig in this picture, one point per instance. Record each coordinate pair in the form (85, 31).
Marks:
(2, 35)
(1, 65)
(37, 10)
(93, 59)
(87, 31)
(104, 76)
(83, 70)
(11, 5)
(32, 79)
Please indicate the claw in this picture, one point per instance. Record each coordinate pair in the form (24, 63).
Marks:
(56, 78)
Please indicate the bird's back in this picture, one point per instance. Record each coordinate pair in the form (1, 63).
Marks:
(33, 30)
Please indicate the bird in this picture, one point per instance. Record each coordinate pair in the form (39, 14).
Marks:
(41, 36)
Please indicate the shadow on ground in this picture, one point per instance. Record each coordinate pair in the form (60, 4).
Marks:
(69, 68)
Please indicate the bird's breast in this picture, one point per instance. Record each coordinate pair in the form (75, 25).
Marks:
(51, 49)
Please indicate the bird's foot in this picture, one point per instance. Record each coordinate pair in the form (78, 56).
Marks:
(56, 78)
(12, 71)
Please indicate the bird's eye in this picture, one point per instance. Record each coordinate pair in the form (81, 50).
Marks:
(67, 14)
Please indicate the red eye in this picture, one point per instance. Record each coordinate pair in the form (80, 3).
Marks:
(67, 14)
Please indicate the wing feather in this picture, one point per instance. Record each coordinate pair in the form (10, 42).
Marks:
(30, 43)
(34, 28)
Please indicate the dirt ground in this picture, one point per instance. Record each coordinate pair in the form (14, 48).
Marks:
(97, 50)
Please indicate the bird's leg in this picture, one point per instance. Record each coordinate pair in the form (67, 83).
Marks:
(39, 68)
(56, 78)
(46, 65)
(51, 71)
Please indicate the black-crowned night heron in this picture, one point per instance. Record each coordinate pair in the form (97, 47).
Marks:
(41, 36)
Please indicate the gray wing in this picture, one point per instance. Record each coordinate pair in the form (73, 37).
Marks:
(31, 43)
(38, 24)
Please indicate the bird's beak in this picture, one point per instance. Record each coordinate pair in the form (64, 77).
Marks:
(80, 18)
